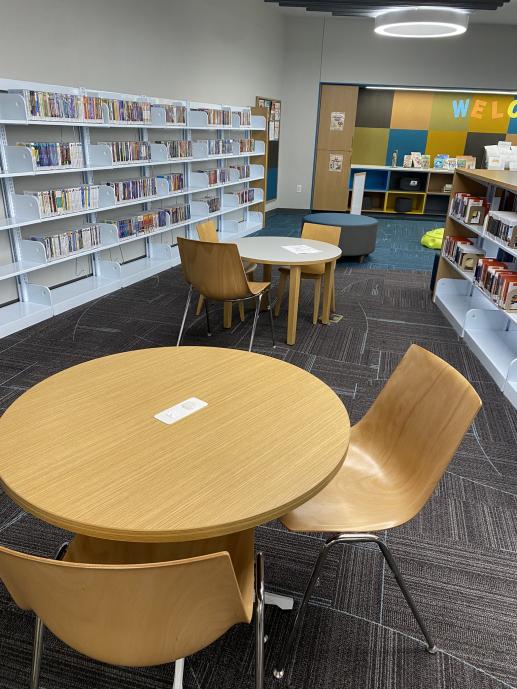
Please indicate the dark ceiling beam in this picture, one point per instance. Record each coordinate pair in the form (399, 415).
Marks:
(355, 7)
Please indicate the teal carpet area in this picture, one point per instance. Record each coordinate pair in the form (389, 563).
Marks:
(398, 241)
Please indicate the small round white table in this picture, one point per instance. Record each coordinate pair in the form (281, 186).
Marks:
(274, 251)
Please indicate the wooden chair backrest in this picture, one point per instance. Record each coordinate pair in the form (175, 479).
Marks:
(214, 269)
(135, 615)
(207, 231)
(321, 233)
(415, 426)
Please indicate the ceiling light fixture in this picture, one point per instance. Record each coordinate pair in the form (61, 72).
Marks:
(421, 22)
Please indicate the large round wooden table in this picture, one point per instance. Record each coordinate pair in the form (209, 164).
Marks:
(272, 251)
(83, 451)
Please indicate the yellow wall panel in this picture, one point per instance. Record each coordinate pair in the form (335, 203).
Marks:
(411, 110)
(489, 114)
(452, 143)
(370, 145)
(442, 114)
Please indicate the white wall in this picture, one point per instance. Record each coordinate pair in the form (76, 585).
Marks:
(210, 50)
(351, 52)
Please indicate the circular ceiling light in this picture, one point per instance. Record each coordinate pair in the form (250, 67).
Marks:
(421, 22)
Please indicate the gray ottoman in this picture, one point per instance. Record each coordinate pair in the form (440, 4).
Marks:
(358, 232)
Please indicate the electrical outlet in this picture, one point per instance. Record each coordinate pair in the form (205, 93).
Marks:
(299, 188)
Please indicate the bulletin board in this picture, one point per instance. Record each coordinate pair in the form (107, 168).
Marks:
(274, 108)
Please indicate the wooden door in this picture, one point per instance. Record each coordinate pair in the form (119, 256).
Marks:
(331, 180)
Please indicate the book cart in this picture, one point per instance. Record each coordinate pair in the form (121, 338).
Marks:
(489, 330)
(142, 172)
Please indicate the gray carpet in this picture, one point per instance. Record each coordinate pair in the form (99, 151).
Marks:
(458, 555)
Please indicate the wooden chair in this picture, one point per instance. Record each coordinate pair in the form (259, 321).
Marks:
(207, 232)
(215, 270)
(398, 453)
(135, 609)
(316, 271)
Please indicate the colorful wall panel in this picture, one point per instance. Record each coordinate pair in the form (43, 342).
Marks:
(429, 122)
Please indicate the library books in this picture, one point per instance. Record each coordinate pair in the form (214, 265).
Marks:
(175, 114)
(67, 243)
(243, 170)
(245, 196)
(219, 146)
(247, 145)
(118, 110)
(178, 149)
(142, 223)
(131, 189)
(46, 105)
(129, 151)
(213, 203)
(179, 214)
(503, 225)
(462, 251)
(57, 154)
(470, 209)
(245, 116)
(498, 279)
(68, 200)
(216, 116)
(175, 180)
(219, 175)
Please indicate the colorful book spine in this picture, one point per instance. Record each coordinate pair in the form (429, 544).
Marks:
(131, 189)
(175, 114)
(143, 223)
(503, 226)
(69, 200)
(245, 116)
(213, 203)
(217, 117)
(67, 243)
(175, 180)
(138, 112)
(56, 154)
(220, 146)
(247, 145)
(178, 149)
(129, 151)
(219, 175)
(179, 214)
(246, 196)
(243, 170)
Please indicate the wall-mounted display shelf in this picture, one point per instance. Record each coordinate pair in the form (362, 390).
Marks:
(52, 260)
(383, 187)
(489, 330)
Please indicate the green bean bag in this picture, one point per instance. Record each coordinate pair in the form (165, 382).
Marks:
(433, 239)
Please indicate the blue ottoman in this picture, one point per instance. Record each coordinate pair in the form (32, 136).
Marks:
(358, 232)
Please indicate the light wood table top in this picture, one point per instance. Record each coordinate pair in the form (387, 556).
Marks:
(271, 251)
(83, 451)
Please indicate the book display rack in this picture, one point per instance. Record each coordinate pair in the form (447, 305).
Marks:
(121, 198)
(476, 284)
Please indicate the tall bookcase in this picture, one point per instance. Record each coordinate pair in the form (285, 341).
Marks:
(34, 286)
(489, 331)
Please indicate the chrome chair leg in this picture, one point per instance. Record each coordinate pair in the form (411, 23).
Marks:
(189, 297)
(255, 319)
(209, 332)
(39, 633)
(179, 667)
(348, 538)
(259, 620)
(272, 324)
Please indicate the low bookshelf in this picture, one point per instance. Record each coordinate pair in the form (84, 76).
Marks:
(382, 188)
(97, 186)
(476, 308)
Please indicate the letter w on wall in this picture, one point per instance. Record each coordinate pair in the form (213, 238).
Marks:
(460, 108)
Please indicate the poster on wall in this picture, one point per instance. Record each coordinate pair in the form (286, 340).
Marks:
(337, 121)
(335, 162)
(274, 108)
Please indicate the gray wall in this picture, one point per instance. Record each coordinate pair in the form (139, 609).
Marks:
(351, 52)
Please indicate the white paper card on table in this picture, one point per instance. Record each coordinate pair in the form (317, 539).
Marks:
(302, 249)
(181, 410)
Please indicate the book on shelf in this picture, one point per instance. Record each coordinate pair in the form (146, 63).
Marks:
(142, 223)
(219, 146)
(498, 279)
(219, 175)
(129, 151)
(135, 111)
(244, 171)
(175, 180)
(175, 114)
(470, 209)
(213, 203)
(217, 116)
(503, 226)
(58, 154)
(47, 105)
(68, 200)
(245, 195)
(245, 117)
(462, 251)
(247, 145)
(67, 243)
(179, 213)
(178, 148)
(131, 189)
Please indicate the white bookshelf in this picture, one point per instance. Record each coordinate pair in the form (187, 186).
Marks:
(34, 287)
(489, 331)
